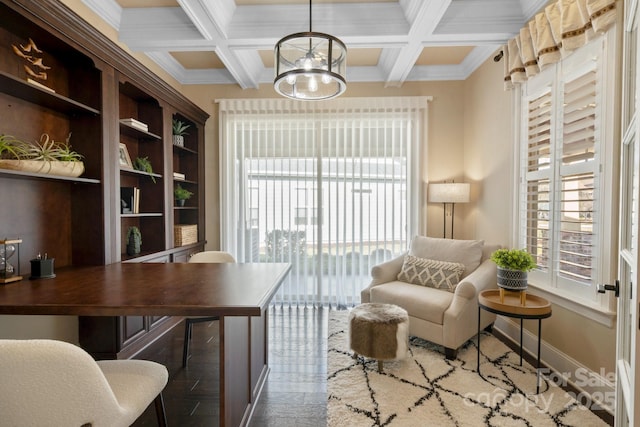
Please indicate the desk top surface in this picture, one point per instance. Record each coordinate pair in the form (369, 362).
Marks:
(173, 289)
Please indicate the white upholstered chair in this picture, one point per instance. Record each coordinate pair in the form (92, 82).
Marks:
(55, 383)
(440, 316)
(201, 257)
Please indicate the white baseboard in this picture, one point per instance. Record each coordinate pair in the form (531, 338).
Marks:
(596, 390)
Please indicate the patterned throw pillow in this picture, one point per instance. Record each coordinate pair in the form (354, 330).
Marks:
(441, 275)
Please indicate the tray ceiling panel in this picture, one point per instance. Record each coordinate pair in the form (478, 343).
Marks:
(227, 41)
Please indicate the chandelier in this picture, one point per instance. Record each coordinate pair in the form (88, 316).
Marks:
(310, 65)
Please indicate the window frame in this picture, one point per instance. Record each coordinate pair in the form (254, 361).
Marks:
(587, 302)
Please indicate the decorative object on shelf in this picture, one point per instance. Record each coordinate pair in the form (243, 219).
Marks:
(42, 267)
(448, 192)
(179, 176)
(179, 130)
(185, 234)
(310, 65)
(181, 195)
(129, 200)
(45, 156)
(8, 273)
(136, 124)
(513, 267)
(34, 67)
(144, 165)
(134, 241)
(12, 148)
(123, 157)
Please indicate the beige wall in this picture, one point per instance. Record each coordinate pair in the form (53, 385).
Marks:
(470, 139)
(489, 163)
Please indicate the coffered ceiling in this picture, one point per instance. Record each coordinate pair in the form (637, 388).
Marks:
(227, 41)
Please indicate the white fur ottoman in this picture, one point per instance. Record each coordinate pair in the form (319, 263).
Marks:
(379, 331)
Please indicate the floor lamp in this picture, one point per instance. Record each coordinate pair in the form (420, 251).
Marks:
(448, 192)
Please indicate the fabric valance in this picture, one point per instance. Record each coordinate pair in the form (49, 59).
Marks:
(554, 33)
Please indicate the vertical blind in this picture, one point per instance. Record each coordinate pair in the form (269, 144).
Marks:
(330, 187)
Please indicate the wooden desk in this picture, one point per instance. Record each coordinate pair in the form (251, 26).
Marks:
(238, 293)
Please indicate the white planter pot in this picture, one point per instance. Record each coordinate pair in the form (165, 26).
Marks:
(514, 280)
(72, 169)
(178, 140)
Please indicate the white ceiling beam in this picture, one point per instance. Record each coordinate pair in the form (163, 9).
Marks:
(158, 28)
(109, 10)
(244, 65)
(398, 64)
(211, 18)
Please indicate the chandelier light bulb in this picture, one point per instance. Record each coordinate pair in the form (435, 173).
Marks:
(326, 78)
(313, 84)
(307, 63)
(291, 79)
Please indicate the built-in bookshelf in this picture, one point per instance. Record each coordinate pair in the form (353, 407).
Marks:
(106, 100)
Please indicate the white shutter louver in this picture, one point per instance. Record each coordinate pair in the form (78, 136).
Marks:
(538, 162)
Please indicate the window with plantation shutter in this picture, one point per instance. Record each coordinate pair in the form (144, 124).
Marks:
(577, 176)
(562, 138)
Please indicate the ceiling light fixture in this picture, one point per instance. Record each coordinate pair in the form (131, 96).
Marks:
(310, 65)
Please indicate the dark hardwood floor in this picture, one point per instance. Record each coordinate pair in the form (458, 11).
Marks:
(295, 393)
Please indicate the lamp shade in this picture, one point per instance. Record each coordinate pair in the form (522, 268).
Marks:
(449, 192)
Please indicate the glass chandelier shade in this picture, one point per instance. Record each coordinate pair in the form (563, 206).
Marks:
(310, 65)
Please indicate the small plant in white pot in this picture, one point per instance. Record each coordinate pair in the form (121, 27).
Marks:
(513, 267)
(179, 130)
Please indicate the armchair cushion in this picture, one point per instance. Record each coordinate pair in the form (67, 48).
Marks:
(441, 275)
(425, 303)
(467, 252)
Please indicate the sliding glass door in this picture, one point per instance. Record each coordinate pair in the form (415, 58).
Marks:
(333, 194)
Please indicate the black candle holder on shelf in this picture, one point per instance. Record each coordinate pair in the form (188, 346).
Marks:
(42, 268)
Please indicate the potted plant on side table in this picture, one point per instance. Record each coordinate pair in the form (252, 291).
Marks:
(181, 195)
(513, 267)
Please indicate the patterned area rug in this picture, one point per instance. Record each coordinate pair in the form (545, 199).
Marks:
(427, 390)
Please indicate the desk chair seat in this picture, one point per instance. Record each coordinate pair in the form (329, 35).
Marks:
(54, 383)
(201, 257)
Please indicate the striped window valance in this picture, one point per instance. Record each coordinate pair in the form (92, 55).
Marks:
(554, 33)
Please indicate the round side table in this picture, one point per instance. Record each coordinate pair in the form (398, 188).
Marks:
(513, 304)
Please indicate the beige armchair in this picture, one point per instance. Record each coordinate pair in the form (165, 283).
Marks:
(442, 316)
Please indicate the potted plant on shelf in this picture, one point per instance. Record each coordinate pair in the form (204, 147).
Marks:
(12, 148)
(45, 156)
(513, 266)
(181, 194)
(144, 165)
(179, 131)
(134, 240)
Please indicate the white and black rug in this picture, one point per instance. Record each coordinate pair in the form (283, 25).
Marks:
(427, 390)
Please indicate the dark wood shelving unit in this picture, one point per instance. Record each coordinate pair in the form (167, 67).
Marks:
(24, 90)
(78, 220)
(140, 134)
(47, 177)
